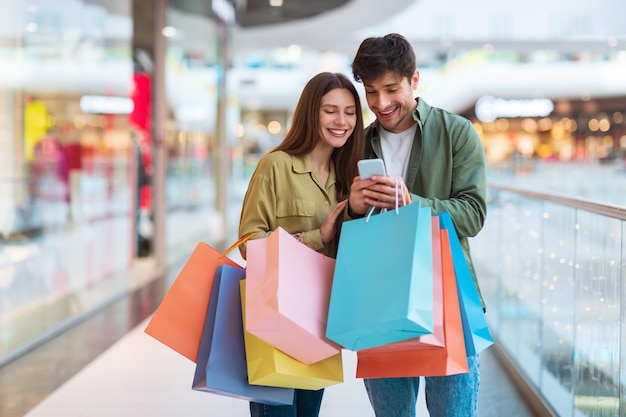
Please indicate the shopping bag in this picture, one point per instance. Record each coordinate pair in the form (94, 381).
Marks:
(270, 367)
(410, 358)
(221, 367)
(437, 337)
(477, 334)
(179, 320)
(287, 293)
(382, 289)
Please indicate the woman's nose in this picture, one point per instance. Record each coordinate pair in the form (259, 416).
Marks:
(340, 119)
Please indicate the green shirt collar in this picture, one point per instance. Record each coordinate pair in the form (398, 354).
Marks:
(421, 111)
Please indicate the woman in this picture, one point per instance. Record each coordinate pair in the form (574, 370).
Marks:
(303, 186)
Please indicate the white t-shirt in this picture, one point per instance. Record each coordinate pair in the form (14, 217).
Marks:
(396, 149)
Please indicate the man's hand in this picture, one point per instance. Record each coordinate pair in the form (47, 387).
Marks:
(379, 191)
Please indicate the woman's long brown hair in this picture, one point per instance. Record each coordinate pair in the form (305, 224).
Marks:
(304, 132)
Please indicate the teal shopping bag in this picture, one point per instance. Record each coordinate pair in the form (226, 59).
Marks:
(382, 289)
(477, 334)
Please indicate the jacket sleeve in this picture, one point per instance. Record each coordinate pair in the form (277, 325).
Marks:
(466, 203)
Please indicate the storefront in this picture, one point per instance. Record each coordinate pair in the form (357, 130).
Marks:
(517, 131)
(66, 148)
(107, 151)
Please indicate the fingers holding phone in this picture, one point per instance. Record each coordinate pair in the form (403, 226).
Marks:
(386, 191)
(362, 184)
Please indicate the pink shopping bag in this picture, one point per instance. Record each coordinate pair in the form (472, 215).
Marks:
(436, 338)
(287, 295)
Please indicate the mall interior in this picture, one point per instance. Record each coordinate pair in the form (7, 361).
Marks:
(129, 130)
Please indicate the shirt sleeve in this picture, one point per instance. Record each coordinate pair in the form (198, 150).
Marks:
(280, 195)
(313, 239)
(259, 206)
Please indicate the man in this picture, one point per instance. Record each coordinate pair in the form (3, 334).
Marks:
(440, 159)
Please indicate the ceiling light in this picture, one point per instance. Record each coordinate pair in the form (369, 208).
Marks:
(168, 31)
(276, 3)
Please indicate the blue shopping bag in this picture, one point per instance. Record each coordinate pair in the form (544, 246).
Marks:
(382, 289)
(477, 334)
(221, 367)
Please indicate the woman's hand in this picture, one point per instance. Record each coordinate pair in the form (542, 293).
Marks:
(328, 228)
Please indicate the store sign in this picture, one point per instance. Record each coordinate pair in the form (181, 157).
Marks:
(490, 108)
(37, 121)
(106, 105)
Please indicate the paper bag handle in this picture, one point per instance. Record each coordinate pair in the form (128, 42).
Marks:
(406, 199)
(238, 243)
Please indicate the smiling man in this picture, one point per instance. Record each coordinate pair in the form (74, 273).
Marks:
(439, 158)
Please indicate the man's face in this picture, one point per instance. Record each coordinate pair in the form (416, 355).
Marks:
(391, 99)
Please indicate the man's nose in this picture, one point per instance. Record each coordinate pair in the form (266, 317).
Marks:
(382, 101)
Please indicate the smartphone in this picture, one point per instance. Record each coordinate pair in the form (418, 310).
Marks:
(369, 167)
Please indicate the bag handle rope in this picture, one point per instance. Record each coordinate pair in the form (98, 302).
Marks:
(406, 199)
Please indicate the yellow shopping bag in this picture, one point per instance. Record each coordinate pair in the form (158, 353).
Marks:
(270, 367)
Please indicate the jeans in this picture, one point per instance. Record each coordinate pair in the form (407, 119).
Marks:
(446, 396)
(306, 404)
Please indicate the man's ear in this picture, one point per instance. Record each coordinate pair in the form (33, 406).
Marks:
(415, 79)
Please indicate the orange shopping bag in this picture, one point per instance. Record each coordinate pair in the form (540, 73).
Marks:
(178, 321)
(412, 358)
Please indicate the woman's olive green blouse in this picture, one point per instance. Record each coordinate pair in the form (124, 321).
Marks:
(285, 191)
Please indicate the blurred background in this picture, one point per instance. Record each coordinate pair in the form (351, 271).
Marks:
(129, 130)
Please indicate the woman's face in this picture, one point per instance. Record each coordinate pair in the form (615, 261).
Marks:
(337, 117)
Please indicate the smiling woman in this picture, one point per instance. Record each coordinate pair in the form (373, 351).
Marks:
(302, 187)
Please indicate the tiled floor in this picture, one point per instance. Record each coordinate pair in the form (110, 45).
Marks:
(107, 366)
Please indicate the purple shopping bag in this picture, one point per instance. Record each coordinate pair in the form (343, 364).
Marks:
(221, 367)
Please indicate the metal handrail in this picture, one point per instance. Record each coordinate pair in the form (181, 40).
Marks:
(604, 209)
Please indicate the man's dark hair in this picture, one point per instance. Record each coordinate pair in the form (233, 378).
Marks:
(378, 55)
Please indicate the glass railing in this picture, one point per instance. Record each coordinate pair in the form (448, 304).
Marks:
(551, 269)
(65, 250)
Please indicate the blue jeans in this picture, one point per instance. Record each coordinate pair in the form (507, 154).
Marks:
(446, 396)
(306, 404)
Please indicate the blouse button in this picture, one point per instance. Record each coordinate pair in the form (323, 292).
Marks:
(327, 203)
(315, 246)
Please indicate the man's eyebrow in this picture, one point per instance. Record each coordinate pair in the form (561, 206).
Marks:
(384, 86)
